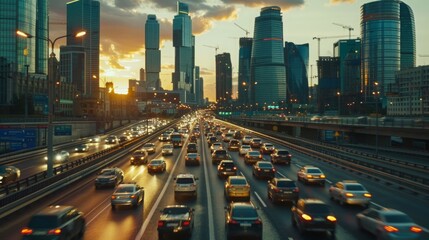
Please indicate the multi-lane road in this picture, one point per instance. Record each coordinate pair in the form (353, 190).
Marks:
(141, 223)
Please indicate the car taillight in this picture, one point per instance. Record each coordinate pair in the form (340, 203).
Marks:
(368, 195)
(274, 169)
(186, 223)
(133, 196)
(390, 229)
(113, 197)
(260, 156)
(221, 168)
(56, 231)
(296, 190)
(349, 195)
(26, 231)
(232, 221)
(331, 218)
(161, 223)
(276, 190)
(290, 155)
(234, 168)
(306, 217)
(415, 229)
(258, 169)
(257, 221)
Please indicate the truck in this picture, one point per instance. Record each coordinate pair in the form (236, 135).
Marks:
(176, 139)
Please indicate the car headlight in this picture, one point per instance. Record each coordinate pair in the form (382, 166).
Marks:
(1, 177)
(76, 149)
(58, 157)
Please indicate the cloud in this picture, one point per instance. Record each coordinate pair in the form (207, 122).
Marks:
(334, 2)
(167, 67)
(128, 4)
(206, 71)
(283, 4)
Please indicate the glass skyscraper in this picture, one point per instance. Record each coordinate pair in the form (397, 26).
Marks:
(184, 44)
(29, 16)
(84, 15)
(223, 78)
(296, 62)
(153, 54)
(268, 75)
(388, 44)
(245, 54)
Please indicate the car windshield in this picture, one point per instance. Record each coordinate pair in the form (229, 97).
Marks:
(257, 140)
(3, 169)
(355, 187)
(397, 218)
(155, 162)
(283, 152)
(192, 155)
(268, 145)
(228, 165)
(317, 208)
(43, 222)
(244, 213)
(167, 146)
(149, 145)
(125, 189)
(107, 172)
(254, 153)
(288, 184)
(238, 181)
(245, 146)
(175, 210)
(185, 180)
(265, 165)
(313, 170)
(221, 152)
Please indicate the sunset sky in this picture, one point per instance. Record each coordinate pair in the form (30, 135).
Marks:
(122, 31)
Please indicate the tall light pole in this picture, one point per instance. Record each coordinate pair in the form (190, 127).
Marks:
(52, 71)
(339, 103)
(376, 93)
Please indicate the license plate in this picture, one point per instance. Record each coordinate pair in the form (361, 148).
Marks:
(172, 224)
(245, 224)
(266, 170)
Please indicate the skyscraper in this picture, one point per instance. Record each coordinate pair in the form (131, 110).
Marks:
(15, 53)
(199, 87)
(268, 76)
(245, 54)
(184, 44)
(84, 15)
(72, 66)
(388, 44)
(153, 54)
(223, 78)
(296, 62)
(329, 83)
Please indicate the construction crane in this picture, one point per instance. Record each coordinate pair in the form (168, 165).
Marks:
(215, 48)
(346, 27)
(247, 32)
(318, 42)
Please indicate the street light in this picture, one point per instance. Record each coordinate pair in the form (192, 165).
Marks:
(339, 103)
(51, 78)
(376, 93)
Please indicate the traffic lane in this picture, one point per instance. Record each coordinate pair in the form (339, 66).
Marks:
(199, 204)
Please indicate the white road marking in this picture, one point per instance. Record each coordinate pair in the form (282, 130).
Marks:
(328, 181)
(102, 210)
(290, 238)
(209, 203)
(140, 172)
(296, 164)
(260, 199)
(283, 176)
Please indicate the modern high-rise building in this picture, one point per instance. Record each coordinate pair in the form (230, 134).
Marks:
(16, 53)
(268, 75)
(153, 54)
(84, 15)
(199, 87)
(388, 44)
(72, 66)
(296, 62)
(245, 54)
(184, 60)
(223, 78)
(329, 84)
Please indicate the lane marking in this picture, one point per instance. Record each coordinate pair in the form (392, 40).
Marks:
(260, 199)
(290, 238)
(89, 213)
(328, 181)
(281, 174)
(209, 198)
(102, 210)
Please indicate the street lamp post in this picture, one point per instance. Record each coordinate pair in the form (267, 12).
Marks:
(25, 94)
(52, 70)
(376, 93)
(339, 103)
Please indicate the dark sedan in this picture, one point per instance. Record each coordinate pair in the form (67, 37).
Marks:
(282, 190)
(242, 220)
(8, 174)
(109, 177)
(281, 156)
(156, 165)
(176, 220)
(264, 170)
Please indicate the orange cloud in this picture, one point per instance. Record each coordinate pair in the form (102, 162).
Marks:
(334, 2)
(283, 4)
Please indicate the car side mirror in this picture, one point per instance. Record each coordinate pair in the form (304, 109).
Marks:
(196, 178)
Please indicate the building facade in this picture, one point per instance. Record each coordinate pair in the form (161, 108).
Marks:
(296, 62)
(268, 75)
(329, 84)
(153, 54)
(408, 37)
(84, 15)
(223, 78)
(199, 87)
(245, 54)
(184, 59)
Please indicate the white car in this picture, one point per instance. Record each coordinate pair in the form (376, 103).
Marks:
(246, 140)
(216, 146)
(244, 149)
(167, 149)
(185, 185)
(350, 192)
(60, 157)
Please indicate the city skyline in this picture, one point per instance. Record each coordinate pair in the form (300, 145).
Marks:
(122, 57)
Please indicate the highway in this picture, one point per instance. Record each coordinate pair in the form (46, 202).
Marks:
(141, 223)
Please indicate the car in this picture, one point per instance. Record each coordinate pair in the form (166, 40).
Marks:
(127, 194)
(242, 221)
(236, 187)
(94, 139)
(262, 169)
(55, 222)
(311, 174)
(238, 135)
(193, 139)
(112, 139)
(281, 156)
(244, 149)
(246, 140)
(388, 223)
(82, 148)
(282, 190)
(234, 145)
(211, 140)
(219, 155)
(350, 192)
(139, 157)
(252, 157)
(60, 157)
(9, 174)
(267, 148)
(167, 149)
(256, 143)
(192, 159)
(313, 215)
(109, 177)
(226, 168)
(156, 165)
(123, 138)
(185, 185)
(164, 137)
(176, 220)
(227, 137)
(149, 147)
(191, 148)
(216, 146)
